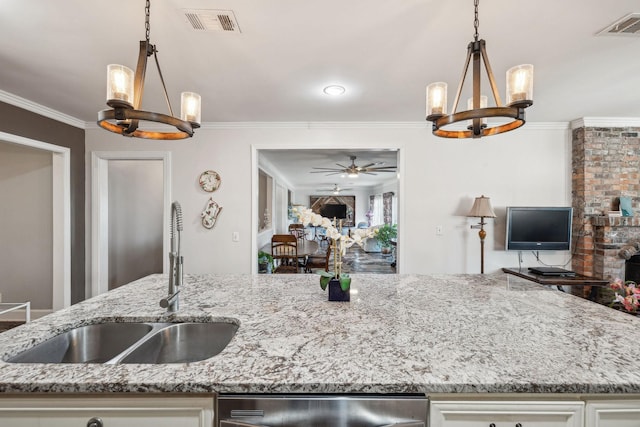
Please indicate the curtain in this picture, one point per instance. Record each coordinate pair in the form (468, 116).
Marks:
(378, 210)
(387, 202)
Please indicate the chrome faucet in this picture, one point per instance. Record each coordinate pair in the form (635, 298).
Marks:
(172, 301)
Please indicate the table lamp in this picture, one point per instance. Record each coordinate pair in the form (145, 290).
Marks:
(481, 209)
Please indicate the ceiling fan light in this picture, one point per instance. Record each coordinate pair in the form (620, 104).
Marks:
(352, 174)
(520, 85)
(119, 86)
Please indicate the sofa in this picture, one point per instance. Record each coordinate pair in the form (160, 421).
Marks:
(371, 244)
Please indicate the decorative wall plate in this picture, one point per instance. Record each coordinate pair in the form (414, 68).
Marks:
(209, 181)
(210, 213)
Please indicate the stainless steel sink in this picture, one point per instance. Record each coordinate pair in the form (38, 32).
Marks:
(133, 342)
(183, 343)
(87, 344)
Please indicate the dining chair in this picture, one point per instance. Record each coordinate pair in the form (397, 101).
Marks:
(297, 230)
(318, 261)
(284, 249)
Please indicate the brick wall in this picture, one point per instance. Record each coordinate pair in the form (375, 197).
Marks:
(605, 166)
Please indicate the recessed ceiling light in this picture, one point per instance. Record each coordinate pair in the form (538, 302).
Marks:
(334, 90)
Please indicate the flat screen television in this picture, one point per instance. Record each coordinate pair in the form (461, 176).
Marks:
(334, 211)
(538, 228)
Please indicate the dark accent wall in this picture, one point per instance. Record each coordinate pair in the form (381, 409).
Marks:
(24, 123)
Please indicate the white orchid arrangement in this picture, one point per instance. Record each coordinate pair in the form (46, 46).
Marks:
(339, 242)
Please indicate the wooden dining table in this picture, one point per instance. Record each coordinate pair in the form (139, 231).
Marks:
(305, 247)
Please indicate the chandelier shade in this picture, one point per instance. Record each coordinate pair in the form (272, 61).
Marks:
(511, 116)
(124, 95)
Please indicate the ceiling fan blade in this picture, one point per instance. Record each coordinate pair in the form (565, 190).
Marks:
(382, 169)
(367, 166)
(343, 167)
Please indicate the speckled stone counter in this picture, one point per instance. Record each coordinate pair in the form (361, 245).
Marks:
(399, 334)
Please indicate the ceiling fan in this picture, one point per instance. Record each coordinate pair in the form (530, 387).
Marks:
(335, 190)
(353, 170)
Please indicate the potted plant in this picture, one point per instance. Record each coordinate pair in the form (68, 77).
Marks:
(338, 282)
(265, 262)
(384, 234)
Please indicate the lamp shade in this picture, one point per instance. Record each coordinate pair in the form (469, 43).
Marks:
(520, 84)
(482, 208)
(119, 85)
(484, 102)
(190, 107)
(437, 99)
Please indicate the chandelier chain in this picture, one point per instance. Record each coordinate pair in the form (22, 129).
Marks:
(476, 21)
(147, 26)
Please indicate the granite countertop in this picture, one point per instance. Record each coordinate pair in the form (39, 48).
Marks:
(399, 334)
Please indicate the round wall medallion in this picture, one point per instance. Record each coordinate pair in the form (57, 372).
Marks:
(209, 181)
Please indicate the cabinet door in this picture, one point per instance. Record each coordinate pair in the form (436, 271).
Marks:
(613, 413)
(113, 412)
(505, 414)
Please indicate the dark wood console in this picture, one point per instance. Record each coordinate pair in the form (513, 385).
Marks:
(578, 280)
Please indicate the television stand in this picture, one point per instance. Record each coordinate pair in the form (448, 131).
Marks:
(577, 280)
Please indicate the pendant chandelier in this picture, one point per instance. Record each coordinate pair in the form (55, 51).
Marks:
(519, 97)
(124, 96)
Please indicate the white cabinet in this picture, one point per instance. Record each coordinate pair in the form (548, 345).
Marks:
(506, 414)
(613, 413)
(112, 411)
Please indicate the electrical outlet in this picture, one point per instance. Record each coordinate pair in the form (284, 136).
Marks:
(439, 230)
(235, 236)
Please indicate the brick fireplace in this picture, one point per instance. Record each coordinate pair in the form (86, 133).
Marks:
(605, 167)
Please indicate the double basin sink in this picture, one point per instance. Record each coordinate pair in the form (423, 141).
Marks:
(133, 342)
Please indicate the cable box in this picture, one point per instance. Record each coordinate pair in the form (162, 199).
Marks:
(552, 271)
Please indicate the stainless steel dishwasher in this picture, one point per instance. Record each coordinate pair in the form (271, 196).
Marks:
(322, 410)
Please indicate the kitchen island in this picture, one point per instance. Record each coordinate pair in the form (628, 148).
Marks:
(399, 334)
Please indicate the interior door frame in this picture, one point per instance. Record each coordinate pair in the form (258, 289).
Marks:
(99, 282)
(257, 147)
(61, 218)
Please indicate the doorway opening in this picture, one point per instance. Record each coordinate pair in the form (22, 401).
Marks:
(295, 179)
(58, 186)
(131, 199)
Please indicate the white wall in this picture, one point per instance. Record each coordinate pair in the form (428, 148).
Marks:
(26, 226)
(438, 181)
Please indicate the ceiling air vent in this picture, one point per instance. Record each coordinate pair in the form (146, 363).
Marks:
(626, 26)
(211, 20)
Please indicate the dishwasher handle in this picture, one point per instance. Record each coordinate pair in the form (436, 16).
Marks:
(407, 424)
(230, 423)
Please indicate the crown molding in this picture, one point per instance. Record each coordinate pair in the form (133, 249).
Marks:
(25, 104)
(72, 121)
(605, 122)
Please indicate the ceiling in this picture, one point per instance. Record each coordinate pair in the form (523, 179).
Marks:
(55, 53)
(296, 167)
